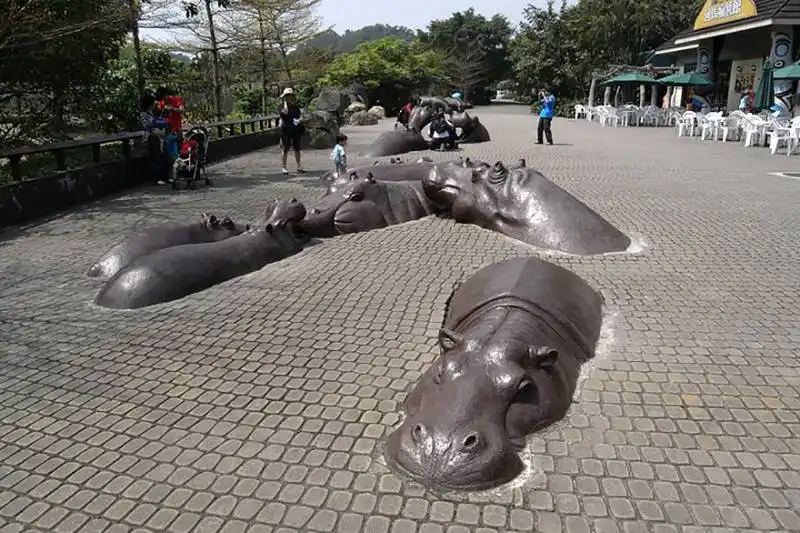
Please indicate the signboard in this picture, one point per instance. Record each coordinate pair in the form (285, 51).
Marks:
(716, 12)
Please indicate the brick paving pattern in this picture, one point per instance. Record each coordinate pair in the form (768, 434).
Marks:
(260, 405)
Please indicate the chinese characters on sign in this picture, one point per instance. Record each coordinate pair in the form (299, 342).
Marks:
(716, 12)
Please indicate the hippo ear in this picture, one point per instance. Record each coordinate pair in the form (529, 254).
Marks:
(376, 163)
(213, 221)
(270, 229)
(247, 227)
(353, 175)
(227, 223)
(449, 339)
(370, 177)
(522, 163)
(543, 357)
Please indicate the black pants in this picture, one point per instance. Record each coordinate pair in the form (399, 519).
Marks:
(448, 142)
(159, 158)
(544, 128)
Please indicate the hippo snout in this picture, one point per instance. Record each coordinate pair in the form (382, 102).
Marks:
(467, 458)
(444, 183)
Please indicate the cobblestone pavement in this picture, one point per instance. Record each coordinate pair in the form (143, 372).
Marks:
(260, 405)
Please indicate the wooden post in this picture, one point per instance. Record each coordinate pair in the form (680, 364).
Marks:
(607, 95)
(592, 89)
(642, 93)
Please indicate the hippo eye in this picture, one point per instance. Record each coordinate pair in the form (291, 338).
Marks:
(526, 392)
(438, 377)
(356, 197)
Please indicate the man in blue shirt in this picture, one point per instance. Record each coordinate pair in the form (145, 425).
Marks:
(548, 103)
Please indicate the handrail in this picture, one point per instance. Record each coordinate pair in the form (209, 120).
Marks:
(15, 155)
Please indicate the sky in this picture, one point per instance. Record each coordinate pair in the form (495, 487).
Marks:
(415, 14)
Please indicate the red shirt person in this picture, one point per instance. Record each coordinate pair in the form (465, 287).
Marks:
(171, 107)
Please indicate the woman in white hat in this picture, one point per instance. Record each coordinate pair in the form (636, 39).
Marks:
(291, 128)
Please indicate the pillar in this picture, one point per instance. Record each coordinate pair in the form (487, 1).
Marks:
(618, 97)
(781, 56)
(592, 89)
(642, 95)
(654, 96)
(670, 96)
(607, 95)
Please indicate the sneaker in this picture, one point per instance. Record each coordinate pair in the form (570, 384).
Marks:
(161, 182)
(284, 171)
(300, 170)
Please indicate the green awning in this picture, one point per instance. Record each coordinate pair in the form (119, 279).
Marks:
(791, 72)
(765, 92)
(629, 78)
(687, 79)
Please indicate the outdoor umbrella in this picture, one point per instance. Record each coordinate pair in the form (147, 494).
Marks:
(687, 79)
(629, 78)
(765, 93)
(790, 72)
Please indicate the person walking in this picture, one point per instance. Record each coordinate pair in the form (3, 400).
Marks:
(339, 156)
(291, 128)
(548, 103)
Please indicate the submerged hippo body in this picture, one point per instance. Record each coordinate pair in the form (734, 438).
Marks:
(523, 204)
(366, 204)
(209, 229)
(392, 172)
(396, 142)
(172, 273)
(514, 338)
(475, 133)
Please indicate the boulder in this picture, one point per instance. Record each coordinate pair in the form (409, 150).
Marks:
(377, 111)
(356, 106)
(332, 100)
(357, 92)
(321, 130)
(362, 118)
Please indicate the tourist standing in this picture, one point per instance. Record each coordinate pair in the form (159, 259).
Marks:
(548, 102)
(155, 126)
(291, 128)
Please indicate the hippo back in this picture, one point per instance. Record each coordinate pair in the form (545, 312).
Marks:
(560, 293)
(396, 142)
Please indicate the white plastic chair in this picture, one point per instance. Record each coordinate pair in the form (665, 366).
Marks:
(732, 124)
(580, 111)
(609, 116)
(709, 123)
(753, 129)
(779, 133)
(687, 123)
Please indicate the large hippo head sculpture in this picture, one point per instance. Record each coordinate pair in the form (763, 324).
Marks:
(515, 336)
(420, 117)
(521, 203)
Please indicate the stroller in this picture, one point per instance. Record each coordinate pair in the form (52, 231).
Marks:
(191, 159)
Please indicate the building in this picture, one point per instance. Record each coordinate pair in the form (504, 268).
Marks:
(730, 40)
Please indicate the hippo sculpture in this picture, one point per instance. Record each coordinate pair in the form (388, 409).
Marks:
(172, 273)
(454, 104)
(476, 132)
(396, 171)
(366, 204)
(396, 142)
(524, 205)
(512, 344)
(420, 117)
(435, 103)
(209, 229)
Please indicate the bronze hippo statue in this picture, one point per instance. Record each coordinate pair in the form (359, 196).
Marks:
(513, 341)
(366, 204)
(473, 132)
(420, 117)
(521, 203)
(396, 142)
(172, 273)
(454, 104)
(435, 103)
(209, 229)
(394, 171)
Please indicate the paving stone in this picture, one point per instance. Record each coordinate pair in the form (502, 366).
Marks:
(261, 404)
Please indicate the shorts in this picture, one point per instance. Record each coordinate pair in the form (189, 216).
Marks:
(291, 139)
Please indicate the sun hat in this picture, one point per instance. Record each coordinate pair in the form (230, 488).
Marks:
(286, 91)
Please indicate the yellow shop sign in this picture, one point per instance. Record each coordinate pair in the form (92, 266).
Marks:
(716, 12)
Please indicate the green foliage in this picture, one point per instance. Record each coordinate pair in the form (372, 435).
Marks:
(391, 70)
(249, 103)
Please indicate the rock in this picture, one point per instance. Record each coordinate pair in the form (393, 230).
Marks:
(356, 92)
(362, 118)
(355, 107)
(321, 130)
(377, 111)
(332, 100)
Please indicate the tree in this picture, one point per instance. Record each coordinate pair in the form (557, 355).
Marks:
(391, 69)
(290, 23)
(473, 43)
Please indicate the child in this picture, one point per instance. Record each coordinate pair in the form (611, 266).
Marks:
(339, 156)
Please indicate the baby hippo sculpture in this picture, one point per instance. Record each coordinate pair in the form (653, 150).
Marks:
(524, 205)
(209, 229)
(172, 273)
(366, 204)
(514, 338)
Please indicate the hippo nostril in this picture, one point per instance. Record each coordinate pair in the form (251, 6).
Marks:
(418, 433)
(470, 442)
(315, 211)
(293, 201)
